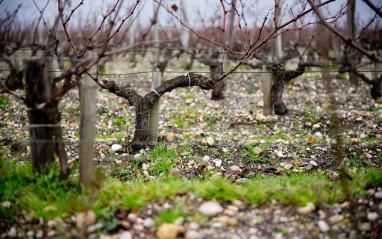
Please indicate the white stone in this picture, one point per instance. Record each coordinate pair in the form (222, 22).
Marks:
(12, 232)
(280, 154)
(126, 235)
(336, 219)
(193, 226)
(206, 158)
(242, 181)
(210, 141)
(288, 166)
(210, 208)
(218, 163)
(131, 217)
(235, 168)
(324, 227)
(307, 209)
(378, 195)
(372, 216)
(148, 222)
(85, 219)
(6, 204)
(364, 226)
(145, 166)
(116, 147)
(318, 135)
(313, 163)
(191, 234)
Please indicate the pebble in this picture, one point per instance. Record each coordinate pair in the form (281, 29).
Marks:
(94, 228)
(110, 142)
(39, 234)
(324, 227)
(210, 208)
(336, 219)
(280, 154)
(30, 233)
(210, 141)
(372, 216)
(12, 232)
(287, 166)
(103, 146)
(235, 168)
(191, 234)
(261, 118)
(318, 135)
(170, 137)
(85, 219)
(169, 231)
(149, 222)
(138, 227)
(313, 163)
(6, 204)
(206, 158)
(126, 235)
(116, 147)
(242, 181)
(232, 222)
(193, 226)
(132, 217)
(307, 209)
(378, 195)
(354, 141)
(218, 163)
(364, 226)
(316, 126)
(309, 167)
(145, 166)
(257, 150)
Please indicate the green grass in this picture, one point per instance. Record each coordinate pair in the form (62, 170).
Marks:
(170, 215)
(46, 197)
(4, 101)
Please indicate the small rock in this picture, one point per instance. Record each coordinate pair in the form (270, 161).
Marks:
(257, 150)
(39, 234)
(261, 118)
(309, 167)
(235, 168)
(354, 141)
(148, 222)
(210, 208)
(51, 233)
(378, 195)
(191, 234)
(364, 226)
(94, 228)
(242, 181)
(193, 226)
(324, 227)
(170, 137)
(232, 222)
(260, 103)
(369, 156)
(372, 216)
(313, 163)
(363, 136)
(145, 166)
(318, 135)
(206, 158)
(251, 142)
(51, 223)
(118, 162)
(146, 173)
(30, 233)
(126, 235)
(138, 227)
(203, 126)
(169, 231)
(312, 139)
(280, 154)
(321, 214)
(110, 142)
(210, 141)
(189, 101)
(85, 219)
(287, 166)
(116, 147)
(132, 217)
(12, 233)
(307, 209)
(218, 163)
(6, 204)
(103, 146)
(336, 219)
(316, 126)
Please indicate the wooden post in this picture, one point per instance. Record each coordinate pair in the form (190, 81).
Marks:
(279, 43)
(38, 89)
(87, 130)
(267, 87)
(351, 32)
(185, 38)
(154, 113)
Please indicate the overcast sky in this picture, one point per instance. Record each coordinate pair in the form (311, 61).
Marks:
(256, 9)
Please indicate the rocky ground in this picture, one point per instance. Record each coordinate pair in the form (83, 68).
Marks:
(231, 138)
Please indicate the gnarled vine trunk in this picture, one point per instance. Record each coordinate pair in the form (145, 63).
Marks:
(143, 104)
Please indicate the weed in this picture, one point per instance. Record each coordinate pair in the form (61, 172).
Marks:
(170, 215)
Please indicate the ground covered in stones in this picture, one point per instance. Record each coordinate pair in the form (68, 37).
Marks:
(211, 145)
